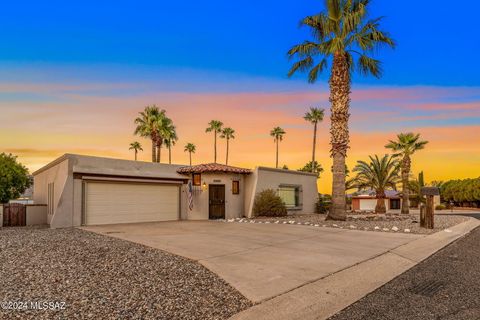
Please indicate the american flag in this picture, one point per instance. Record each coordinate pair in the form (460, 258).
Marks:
(190, 195)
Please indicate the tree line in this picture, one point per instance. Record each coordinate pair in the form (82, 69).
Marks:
(465, 192)
(153, 123)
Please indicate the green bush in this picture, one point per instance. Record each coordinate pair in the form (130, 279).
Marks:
(14, 179)
(268, 203)
(440, 207)
(323, 204)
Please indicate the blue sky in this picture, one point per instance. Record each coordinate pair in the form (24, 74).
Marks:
(438, 41)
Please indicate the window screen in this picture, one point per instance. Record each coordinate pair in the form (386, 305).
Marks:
(290, 195)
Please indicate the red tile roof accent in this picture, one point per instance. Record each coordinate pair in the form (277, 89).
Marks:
(212, 167)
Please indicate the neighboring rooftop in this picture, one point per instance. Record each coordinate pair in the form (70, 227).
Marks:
(212, 168)
(371, 193)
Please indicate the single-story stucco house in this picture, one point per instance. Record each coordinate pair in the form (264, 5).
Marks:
(84, 190)
(366, 200)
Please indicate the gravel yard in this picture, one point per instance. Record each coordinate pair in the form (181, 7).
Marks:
(377, 223)
(99, 277)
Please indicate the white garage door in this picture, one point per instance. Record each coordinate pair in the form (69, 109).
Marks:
(368, 204)
(108, 203)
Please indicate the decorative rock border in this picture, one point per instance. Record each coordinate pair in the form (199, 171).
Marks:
(307, 223)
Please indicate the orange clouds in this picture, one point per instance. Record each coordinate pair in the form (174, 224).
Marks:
(72, 119)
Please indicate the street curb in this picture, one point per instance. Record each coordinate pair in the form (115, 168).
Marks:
(325, 297)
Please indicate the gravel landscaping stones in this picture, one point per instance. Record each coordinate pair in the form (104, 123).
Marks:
(444, 286)
(372, 223)
(99, 277)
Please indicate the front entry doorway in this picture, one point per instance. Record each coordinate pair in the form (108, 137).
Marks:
(216, 201)
(394, 204)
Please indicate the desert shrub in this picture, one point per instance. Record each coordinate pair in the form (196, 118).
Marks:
(268, 203)
(440, 207)
(323, 203)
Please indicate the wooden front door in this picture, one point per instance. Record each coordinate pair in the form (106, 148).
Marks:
(216, 201)
(14, 215)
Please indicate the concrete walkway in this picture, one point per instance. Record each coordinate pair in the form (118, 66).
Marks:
(264, 261)
(323, 298)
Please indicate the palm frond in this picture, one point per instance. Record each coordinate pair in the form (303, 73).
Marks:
(367, 65)
(315, 71)
(302, 65)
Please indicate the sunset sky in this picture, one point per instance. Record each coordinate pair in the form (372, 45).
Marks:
(74, 76)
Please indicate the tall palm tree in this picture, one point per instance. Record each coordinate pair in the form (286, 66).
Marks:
(227, 133)
(343, 36)
(379, 174)
(190, 148)
(277, 133)
(216, 127)
(135, 146)
(405, 146)
(146, 126)
(163, 125)
(170, 139)
(315, 115)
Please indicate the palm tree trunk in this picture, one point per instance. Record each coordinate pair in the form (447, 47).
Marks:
(276, 158)
(226, 160)
(380, 207)
(159, 152)
(215, 148)
(154, 150)
(314, 144)
(136, 154)
(170, 154)
(340, 104)
(190, 153)
(405, 192)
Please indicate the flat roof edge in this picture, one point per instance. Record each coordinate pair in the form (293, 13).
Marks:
(288, 171)
(52, 164)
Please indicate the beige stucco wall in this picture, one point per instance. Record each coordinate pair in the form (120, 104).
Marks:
(36, 215)
(60, 175)
(68, 191)
(268, 178)
(234, 203)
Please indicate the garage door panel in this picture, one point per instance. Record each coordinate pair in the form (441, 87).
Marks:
(368, 204)
(108, 203)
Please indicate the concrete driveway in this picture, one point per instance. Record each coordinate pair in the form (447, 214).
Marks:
(261, 260)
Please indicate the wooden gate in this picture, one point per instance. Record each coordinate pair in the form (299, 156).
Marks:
(14, 214)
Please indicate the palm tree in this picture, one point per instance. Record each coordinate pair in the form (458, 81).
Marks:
(147, 126)
(227, 133)
(315, 115)
(312, 166)
(170, 139)
(216, 127)
(379, 174)
(135, 146)
(415, 190)
(405, 146)
(164, 126)
(341, 33)
(277, 134)
(190, 148)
